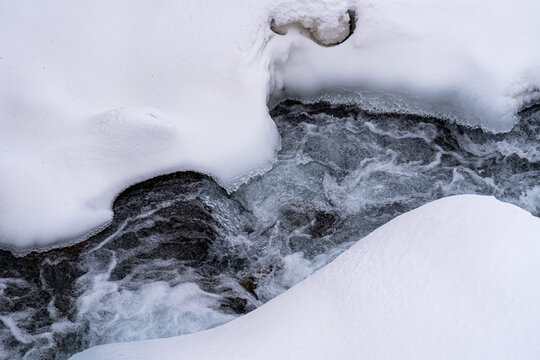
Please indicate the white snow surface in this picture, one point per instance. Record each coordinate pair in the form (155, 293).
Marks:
(98, 95)
(458, 278)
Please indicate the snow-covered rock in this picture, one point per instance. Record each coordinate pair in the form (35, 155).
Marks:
(96, 96)
(467, 61)
(99, 95)
(458, 278)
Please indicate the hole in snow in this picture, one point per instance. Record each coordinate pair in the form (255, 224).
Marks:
(325, 32)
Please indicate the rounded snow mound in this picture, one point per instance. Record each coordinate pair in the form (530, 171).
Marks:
(458, 278)
(87, 110)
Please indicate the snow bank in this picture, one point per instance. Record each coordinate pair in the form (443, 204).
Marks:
(100, 95)
(96, 96)
(458, 278)
(468, 61)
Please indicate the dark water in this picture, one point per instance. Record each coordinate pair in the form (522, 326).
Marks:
(182, 255)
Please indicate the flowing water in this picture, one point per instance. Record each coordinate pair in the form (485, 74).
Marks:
(183, 255)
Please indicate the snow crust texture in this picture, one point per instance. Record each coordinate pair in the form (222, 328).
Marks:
(156, 87)
(458, 278)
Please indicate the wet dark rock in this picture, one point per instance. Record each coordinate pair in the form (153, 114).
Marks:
(59, 276)
(324, 224)
(127, 241)
(248, 283)
(236, 305)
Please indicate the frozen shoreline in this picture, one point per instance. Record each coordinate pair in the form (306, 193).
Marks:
(165, 87)
(183, 256)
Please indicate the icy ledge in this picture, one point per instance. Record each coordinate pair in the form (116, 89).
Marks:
(458, 278)
(96, 96)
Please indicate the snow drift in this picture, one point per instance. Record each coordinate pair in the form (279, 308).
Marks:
(458, 278)
(97, 96)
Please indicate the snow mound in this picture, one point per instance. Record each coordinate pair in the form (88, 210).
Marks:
(458, 278)
(100, 95)
(465, 61)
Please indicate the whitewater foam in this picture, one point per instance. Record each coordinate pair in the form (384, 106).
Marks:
(340, 174)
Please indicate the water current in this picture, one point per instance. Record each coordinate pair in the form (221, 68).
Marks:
(183, 255)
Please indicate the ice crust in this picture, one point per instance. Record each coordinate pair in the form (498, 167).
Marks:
(100, 95)
(458, 278)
